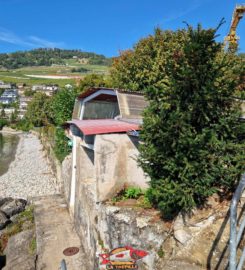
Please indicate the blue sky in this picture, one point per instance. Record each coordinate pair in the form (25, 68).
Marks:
(103, 26)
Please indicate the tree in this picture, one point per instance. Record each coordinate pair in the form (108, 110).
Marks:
(193, 144)
(145, 65)
(93, 80)
(38, 110)
(61, 106)
(3, 114)
(13, 116)
(28, 93)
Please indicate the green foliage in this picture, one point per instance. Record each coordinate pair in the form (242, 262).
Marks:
(14, 116)
(33, 246)
(2, 114)
(29, 93)
(61, 148)
(61, 106)
(133, 193)
(94, 80)
(44, 111)
(161, 252)
(128, 193)
(23, 125)
(145, 65)
(3, 122)
(38, 110)
(193, 142)
(80, 70)
(48, 57)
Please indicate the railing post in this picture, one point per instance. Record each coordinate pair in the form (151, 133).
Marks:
(63, 265)
(234, 241)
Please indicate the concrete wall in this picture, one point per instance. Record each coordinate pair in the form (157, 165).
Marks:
(102, 226)
(66, 171)
(115, 163)
(185, 243)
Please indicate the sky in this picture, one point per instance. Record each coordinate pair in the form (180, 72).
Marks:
(104, 26)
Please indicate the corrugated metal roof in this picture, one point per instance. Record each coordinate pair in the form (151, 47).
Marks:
(131, 105)
(103, 126)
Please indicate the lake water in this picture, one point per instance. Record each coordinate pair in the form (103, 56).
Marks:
(8, 145)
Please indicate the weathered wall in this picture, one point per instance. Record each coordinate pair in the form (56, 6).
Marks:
(101, 226)
(196, 243)
(115, 162)
(66, 171)
(54, 163)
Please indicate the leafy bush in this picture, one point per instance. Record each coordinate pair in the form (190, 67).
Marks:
(194, 144)
(145, 65)
(23, 125)
(80, 69)
(3, 122)
(93, 80)
(133, 193)
(128, 193)
(61, 147)
(38, 110)
(61, 106)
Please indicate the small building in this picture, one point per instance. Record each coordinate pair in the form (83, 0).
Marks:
(23, 103)
(10, 93)
(6, 100)
(105, 148)
(9, 96)
(9, 111)
(21, 85)
(5, 85)
(49, 89)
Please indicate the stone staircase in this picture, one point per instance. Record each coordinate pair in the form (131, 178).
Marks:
(54, 233)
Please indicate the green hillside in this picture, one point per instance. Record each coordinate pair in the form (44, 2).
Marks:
(50, 66)
(49, 57)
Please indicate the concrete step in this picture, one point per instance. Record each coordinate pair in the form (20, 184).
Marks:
(54, 233)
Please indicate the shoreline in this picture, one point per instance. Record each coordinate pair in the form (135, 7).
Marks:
(29, 174)
(13, 154)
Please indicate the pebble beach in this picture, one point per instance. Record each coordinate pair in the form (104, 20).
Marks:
(29, 174)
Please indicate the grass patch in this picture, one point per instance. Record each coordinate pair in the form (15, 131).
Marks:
(135, 193)
(33, 246)
(128, 193)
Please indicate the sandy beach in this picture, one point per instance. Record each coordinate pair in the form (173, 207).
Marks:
(29, 174)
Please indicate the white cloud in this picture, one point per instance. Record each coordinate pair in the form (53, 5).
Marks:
(31, 41)
(9, 37)
(45, 43)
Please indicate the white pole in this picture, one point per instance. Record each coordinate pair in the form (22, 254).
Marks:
(73, 178)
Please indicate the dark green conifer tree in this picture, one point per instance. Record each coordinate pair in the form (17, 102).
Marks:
(193, 142)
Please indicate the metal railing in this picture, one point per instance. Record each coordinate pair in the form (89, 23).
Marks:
(63, 265)
(235, 236)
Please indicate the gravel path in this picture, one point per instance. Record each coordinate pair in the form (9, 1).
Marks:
(29, 174)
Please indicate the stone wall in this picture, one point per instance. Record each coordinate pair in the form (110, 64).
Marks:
(188, 242)
(104, 227)
(54, 163)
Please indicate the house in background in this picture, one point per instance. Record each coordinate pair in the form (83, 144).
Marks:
(105, 148)
(49, 89)
(23, 103)
(9, 96)
(8, 112)
(4, 85)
